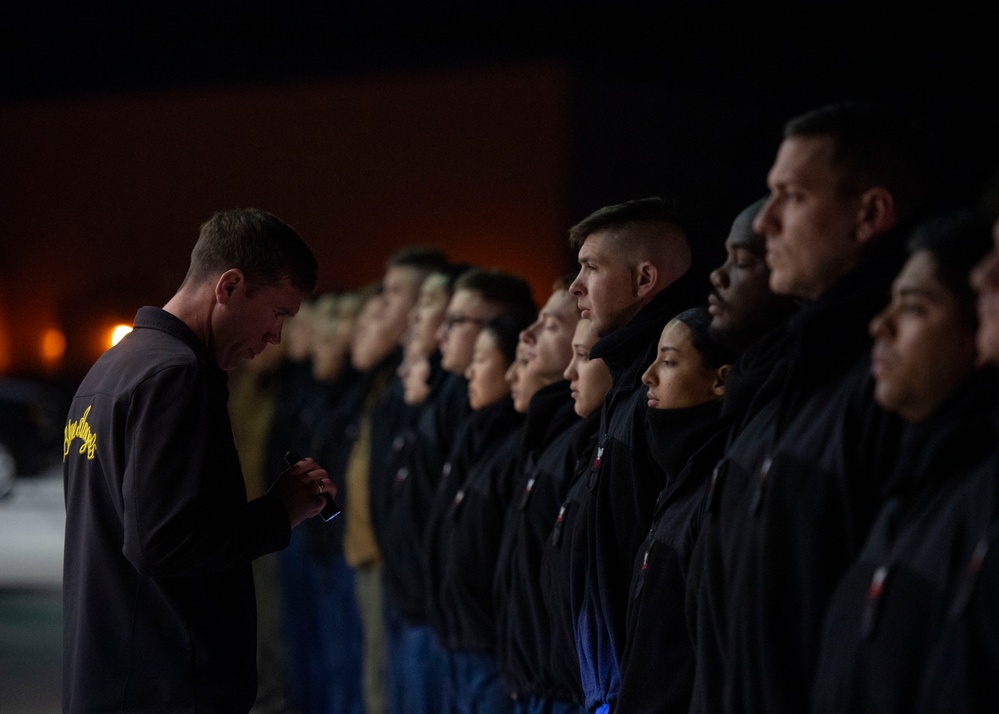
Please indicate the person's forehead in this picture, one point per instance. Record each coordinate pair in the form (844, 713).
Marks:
(582, 336)
(434, 286)
(561, 304)
(742, 236)
(465, 299)
(284, 297)
(485, 341)
(603, 245)
(401, 277)
(919, 274)
(803, 159)
(675, 334)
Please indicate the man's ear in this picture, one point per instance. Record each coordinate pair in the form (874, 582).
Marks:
(721, 375)
(876, 213)
(645, 275)
(227, 284)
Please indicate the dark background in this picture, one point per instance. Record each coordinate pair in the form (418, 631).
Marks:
(488, 128)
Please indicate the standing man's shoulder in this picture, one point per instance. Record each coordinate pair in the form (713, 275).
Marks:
(157, 343)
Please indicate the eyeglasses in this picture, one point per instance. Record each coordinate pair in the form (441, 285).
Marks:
(455, 320)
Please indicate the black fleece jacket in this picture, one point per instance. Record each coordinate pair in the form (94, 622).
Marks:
(962, 660)
(657, 669)
(889, 605)
(801, 484)
(616, 506)
(159, 606)
(466, 520)
(548, 460)
(705, 599)
(562, 667)
(425, 448)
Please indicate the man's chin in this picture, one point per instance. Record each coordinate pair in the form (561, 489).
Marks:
(724, 332)
(448, 366)
(718, 327)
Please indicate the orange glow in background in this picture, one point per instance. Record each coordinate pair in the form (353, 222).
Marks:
(53, 346)
(477, 167)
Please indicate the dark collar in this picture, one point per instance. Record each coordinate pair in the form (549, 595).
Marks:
(828, 335)
(676, 434)
(955, 437)
(156, 318)
(551, 411)
(634, 342)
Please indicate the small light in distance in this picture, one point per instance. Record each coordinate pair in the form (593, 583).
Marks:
(118, 332)
(53, 345)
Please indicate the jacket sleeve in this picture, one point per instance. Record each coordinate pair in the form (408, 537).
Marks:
(185, 508)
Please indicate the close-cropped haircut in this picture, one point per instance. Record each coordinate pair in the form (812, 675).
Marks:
(712, 352)
(873, 145)
(260, 245)
(422, 258)
(642, 212)
(505, 329)
(957, 240)
(508, 292)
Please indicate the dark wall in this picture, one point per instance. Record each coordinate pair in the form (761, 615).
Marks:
(103, 197)
(691, 104)
(582, 108)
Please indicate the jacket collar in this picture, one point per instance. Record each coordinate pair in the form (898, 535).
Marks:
(551, 412)
(828, 335)
(955, 437)
(156, 318)
(635, 342)
(676, 434)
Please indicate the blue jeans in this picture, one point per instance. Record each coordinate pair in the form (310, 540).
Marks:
(416, 667)
(476, 684)
(322, 632)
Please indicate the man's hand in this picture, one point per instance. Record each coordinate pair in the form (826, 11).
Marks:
(301, 489)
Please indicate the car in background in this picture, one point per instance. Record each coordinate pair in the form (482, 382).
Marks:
(32, 414)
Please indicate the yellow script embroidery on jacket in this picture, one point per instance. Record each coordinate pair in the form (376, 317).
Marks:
(79, 429)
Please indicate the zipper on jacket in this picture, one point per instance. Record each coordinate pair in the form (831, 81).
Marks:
(527, 493)
(641, 573)
(456, 504)
(717, 475)
(595, 468)
(971, 571)
(559, 522)
(761, 482)
(872, 605)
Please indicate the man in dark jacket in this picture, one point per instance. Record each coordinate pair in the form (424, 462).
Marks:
(748, 316)
(589, 382)
(634, 277)
(376, 350)
(478, 295)
(158, 588)
(961, 664)
(545, 467)
(415, 660)
(803, 479)
(886, 612)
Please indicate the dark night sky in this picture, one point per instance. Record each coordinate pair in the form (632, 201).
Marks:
(649, 98)
(654, 82)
